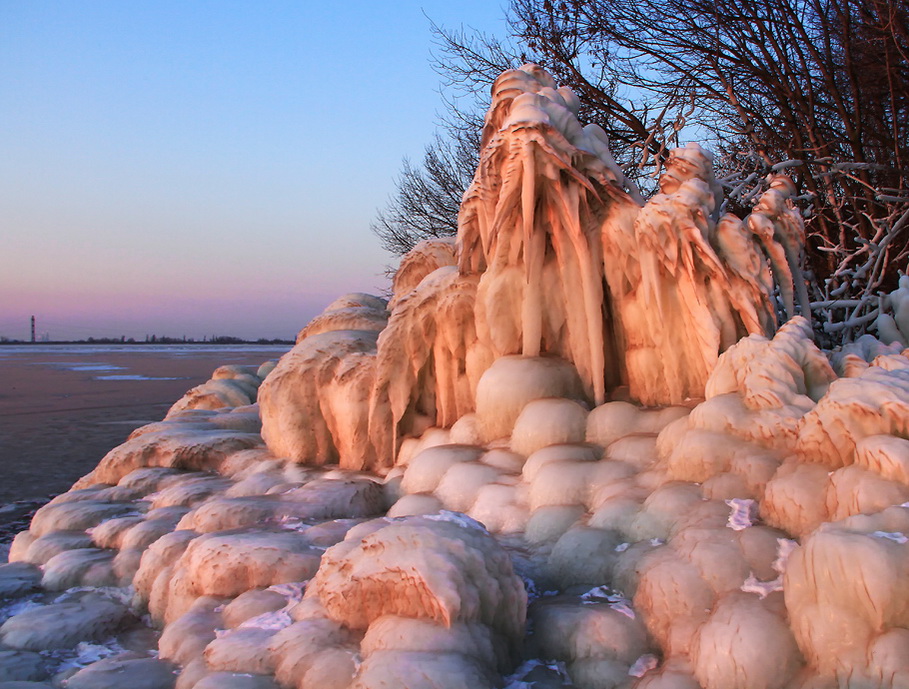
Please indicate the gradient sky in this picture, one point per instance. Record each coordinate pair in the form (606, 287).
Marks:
(193, 167)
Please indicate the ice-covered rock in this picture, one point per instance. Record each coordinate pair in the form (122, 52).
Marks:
(18, 578)
(23, 667)
(893, 321)
(512, 382)
(315, 403)
(349, 318)
(420, 670)
(439, 569)
(428, 362)
(192, 446)
(227, 564)
(847, 600)
(135, 673)
(779, 229)
(81, 616)
(597, 639)
(875, 402)
(230, 386)
(750, 535)
(685, 310)
(426, 257)
(761, 389)
(530, 227)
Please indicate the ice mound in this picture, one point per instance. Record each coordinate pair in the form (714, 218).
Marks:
(350, 312)
(230, 386)
(893, 321)
(197, 441)
(847, 598)
(554, 261)
(583, 402)
(314, 403)
(744, 644)
(420, 567)
(872, 403)
(761, 389)
(512, 382)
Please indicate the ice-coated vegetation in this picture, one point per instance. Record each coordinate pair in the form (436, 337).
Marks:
(575, 449)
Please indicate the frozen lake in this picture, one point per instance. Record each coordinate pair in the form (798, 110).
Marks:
(62, 407)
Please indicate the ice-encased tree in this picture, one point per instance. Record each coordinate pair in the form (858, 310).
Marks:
(815, 88)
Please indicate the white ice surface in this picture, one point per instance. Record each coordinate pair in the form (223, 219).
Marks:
(894, 536)
(616, 601)
(742, 515)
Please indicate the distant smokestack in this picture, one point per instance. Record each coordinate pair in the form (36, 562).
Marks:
(33, 329)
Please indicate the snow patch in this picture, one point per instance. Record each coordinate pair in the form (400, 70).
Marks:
(762, 588)
(129, 376)
(277, 620)
(456, 518)
(894, 536)
(19, 606)
(742, 515)
(537, 672)
(123, 595)
(643, 665)
(784, 549)
(293, 592)
(616, 601)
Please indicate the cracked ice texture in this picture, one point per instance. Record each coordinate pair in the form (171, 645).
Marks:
(477, 380)
(421, 567)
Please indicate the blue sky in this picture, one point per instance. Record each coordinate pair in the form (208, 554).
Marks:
(197, 168)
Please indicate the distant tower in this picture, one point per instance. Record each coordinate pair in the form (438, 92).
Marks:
(33, 329)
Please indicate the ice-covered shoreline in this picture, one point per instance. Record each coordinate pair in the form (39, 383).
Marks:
(575, 449)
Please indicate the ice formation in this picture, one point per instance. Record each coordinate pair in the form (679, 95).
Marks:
(553, 259)
(572, 450)
(893, 321)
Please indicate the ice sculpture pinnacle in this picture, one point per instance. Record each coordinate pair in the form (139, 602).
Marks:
(556, 256)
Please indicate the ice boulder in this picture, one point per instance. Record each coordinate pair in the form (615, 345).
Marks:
(745, 644)
(315, 403)
(444, 568)
(512, 382)
(847, 600)
(74, 618)
(229, 386)
(873, 403)
(597, 634)
(345, 318)
(136, 673)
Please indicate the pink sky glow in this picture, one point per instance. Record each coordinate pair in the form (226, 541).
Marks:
(204, 168)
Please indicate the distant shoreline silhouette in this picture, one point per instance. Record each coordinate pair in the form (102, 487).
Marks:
(153, 339)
